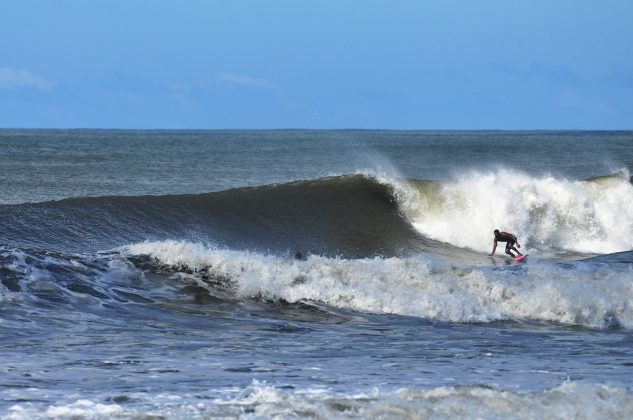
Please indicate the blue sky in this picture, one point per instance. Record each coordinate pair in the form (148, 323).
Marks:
(317, 64)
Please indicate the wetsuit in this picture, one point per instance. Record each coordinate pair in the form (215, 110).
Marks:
(510, 240)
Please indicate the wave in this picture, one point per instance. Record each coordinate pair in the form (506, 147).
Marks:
(351, 215)
(354, 216)
(262, 400)
(596, 295)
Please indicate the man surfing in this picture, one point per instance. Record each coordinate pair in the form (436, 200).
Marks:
(510, 241)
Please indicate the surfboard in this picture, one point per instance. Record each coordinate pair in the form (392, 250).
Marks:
(521, 258)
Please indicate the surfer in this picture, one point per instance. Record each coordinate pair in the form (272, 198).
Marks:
(510, 241)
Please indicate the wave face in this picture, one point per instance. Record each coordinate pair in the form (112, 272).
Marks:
(592, 294)
(547, 214)
(348, 215)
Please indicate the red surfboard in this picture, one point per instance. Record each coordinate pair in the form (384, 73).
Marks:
(521, 258)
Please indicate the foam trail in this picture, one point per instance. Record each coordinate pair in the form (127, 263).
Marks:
(547, 213)
(262, 400)
(570, 400)
(583, 295)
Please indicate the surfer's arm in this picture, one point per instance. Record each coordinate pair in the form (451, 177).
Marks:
(494, 247)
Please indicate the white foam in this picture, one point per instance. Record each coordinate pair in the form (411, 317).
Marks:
(261, 400)
(82, 408)
(570, 400)
(545, 212)
(419, 286)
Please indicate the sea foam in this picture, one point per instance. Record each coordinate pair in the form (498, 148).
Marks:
(262, 400)
(547, 213)
(570, 400)
(581, 294)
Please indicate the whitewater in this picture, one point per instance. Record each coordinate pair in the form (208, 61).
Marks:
(583, 294)
(550, 213)
(327, 274)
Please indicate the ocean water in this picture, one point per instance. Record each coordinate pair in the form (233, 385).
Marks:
(327, 274)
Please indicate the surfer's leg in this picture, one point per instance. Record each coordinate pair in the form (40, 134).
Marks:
(508, 246)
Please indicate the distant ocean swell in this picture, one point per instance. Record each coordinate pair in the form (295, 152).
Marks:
(570, 400)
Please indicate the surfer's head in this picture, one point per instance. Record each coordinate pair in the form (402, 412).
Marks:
(496, 232)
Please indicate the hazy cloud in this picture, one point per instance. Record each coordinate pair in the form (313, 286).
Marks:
(241, 80)
(572, 99)
(247, 81)
(540, 73)
(11, 78)
(186, 93)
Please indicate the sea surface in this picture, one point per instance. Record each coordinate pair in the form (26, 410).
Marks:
(325, 274)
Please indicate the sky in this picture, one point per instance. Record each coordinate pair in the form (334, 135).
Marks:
(326, 64)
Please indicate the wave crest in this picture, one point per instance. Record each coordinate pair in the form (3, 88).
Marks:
(547, 213)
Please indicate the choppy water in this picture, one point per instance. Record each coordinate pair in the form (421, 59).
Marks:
(156, 273)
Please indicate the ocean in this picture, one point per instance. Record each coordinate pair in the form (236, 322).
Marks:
(323, 274)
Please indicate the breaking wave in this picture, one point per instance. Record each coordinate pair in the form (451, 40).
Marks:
(355, 216)
(547, 213)
(595, 293)
(590, 294)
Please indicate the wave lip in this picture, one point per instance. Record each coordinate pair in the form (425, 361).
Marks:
(588, 295)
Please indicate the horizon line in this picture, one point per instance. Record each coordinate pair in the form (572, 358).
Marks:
(315, 129)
